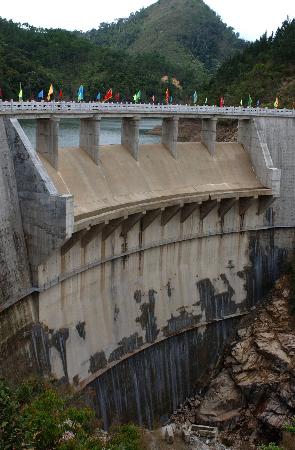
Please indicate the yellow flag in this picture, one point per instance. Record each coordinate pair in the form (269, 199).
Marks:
(276, 103)
(20, 94)
(50, 92)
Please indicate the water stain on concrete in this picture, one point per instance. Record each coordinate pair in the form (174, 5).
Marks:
(58, 340)
(98, 361)
(126, 345)
(147, 319)
(80, 327)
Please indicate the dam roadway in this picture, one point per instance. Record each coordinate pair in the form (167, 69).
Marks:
(125, 268)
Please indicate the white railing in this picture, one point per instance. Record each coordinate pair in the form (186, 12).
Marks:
(11, 107)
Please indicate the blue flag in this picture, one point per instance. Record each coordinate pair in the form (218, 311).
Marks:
(41, 94)
(98, 97)
(80, 93)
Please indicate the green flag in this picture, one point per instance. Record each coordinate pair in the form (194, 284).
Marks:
(250, 101)
(195, 97)
(241, 102)
(137, 96)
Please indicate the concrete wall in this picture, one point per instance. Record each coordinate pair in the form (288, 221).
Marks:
(98, 317)
(47, 216)
(15, 278)
(279, 135)
(255, 143)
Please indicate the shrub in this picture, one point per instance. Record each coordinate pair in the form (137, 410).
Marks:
(35, 415)
(270, 446)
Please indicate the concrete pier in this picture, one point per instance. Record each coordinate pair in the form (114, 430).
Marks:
(90, 136)
(130, 135)
(208, 134)
(47, 139)
(170, 134)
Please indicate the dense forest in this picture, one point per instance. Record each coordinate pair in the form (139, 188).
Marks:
(37, 57)
(181, 45)
(265, 70)
(119, 55)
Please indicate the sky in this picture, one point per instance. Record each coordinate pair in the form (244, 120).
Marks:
(250, 18)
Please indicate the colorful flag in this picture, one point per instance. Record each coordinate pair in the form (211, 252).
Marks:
(117, 97)
(276, 103)
(170, 99)
(80, 93)
(41, 95)
(257, 103)
(250, 101)
(153, 98)
(206, 101)
(20, 94)
(137, 96)
(167, 95)
(221, 102)
(108, 95)
(195, 98)
(50, 92)
(241, 102)
(98, 97)
(60, 94)
(1, 93)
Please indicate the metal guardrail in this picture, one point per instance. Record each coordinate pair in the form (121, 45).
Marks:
(11, 107)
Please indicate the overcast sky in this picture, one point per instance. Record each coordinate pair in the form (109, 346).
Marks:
(251, 18)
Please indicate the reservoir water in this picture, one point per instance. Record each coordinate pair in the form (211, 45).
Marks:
(110, 131)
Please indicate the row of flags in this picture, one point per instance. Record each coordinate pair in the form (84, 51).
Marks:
(136, 97)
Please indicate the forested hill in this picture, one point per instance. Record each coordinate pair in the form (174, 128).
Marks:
(265, 70)
(38, 57)
(186, 32)
(182, 40)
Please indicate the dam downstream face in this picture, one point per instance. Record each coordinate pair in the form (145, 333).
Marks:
(150, 254)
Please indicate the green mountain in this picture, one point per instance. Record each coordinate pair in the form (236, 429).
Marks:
(265, 70)
(187, 33)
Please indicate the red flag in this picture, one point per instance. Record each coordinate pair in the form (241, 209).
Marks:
(1, 92)
(60, 94)
(153, 98)
(117, 97)
(108, 95)
(221, 102)
(167, 96)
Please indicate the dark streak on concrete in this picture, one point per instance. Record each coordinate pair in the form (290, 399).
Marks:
(184, 321)
(126, 345)
(80, 327)
(116, 313)
(216, 305)
(97, 361)
(137, 296)
(58, 340)
(169, 289)
(148, 320)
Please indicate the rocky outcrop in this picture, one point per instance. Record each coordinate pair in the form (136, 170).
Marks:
(253, 395)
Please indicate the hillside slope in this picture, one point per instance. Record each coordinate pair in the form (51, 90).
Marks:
(187, 32)
(265, 70)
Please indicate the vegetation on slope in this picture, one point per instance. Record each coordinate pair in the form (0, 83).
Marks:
(186, 32)
(38, 57)
(36, 416)
(265, 70)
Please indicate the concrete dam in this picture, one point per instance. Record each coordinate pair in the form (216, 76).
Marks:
(124, 269)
